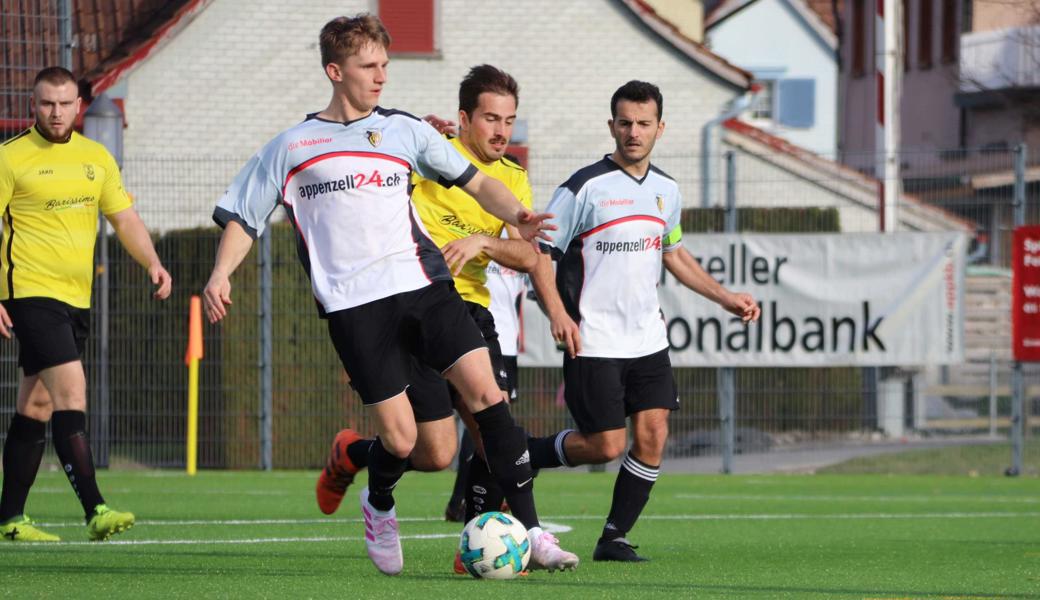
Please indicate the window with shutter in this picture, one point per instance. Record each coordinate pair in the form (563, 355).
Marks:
(796, 102)
(412, 26)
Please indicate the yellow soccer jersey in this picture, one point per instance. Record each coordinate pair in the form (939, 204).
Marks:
(50, 195)
(451, 214)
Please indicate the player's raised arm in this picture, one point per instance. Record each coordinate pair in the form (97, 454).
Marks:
(494, 197)
(234, 246)
(690, 273)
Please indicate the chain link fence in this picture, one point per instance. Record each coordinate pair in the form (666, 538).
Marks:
(792, 418)
(785, 419)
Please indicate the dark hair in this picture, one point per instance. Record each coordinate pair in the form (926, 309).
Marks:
(344, 36)
(55, 76)
(637, 91)
(485, 78)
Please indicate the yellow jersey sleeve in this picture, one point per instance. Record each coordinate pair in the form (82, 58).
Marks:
(6, 182)
(113, 196)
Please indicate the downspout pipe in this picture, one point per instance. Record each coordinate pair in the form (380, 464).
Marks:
(732, 109)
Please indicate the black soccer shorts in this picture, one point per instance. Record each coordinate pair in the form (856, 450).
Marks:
(376, 341)
(426, 387)
(602, 392)
(49, 332)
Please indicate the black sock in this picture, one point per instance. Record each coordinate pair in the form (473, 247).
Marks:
(631, 491)
(547, 452)
(23, 452)
(483, 493)
(384, 471)
(466, 449)
(357, 452)
(68, 427)
(505, 445)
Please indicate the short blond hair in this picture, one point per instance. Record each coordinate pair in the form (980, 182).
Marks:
(345, 36)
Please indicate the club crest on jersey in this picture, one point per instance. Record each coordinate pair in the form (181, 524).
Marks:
(374, 137)
(88, 170)
(660, 203)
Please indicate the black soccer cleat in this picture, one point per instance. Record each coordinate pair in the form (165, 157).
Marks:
(617, 550)
(455, 512)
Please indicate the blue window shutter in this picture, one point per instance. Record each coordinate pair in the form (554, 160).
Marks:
(797, 102)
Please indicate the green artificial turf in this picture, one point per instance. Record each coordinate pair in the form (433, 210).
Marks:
(260, 535)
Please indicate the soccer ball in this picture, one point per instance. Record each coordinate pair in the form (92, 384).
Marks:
(494, 545)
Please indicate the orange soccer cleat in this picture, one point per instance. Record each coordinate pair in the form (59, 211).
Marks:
(338, 473)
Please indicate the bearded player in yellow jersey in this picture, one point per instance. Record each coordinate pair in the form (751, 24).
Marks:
(53, 182)
(469, 237)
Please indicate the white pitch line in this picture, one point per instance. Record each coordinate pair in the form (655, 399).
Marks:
(554, 527)
(66, 490)
(550, 527)
(809, 516)
(988, 499)
(274, 540)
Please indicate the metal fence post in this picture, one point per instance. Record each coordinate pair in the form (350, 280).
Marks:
(266, 368)
(65, 26)
(993, 394)
(725, 375)
(103, 123)
(1018, 391)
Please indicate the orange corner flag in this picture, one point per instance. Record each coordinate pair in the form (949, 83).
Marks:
(194, 331)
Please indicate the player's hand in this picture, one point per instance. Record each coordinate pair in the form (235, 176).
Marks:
(162, 280)
(459, 252)
(566, 333)
(5, 323)
(216, 297)
(532, 226)
(742, 305)
(443, 126)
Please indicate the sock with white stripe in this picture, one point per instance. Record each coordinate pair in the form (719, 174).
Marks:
(384, 471)
(631, 492)
(547, 452)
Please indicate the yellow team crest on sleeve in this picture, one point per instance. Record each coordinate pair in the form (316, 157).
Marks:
(374, 137)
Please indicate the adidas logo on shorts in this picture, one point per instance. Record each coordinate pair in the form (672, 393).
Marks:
(524, 458)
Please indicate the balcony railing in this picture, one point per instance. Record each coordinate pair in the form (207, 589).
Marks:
(1001, 59)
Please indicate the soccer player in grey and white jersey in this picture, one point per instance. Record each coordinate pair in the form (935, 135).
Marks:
(618, 220)
(383, 286)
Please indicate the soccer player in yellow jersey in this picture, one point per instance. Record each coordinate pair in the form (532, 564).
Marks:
(469, 237)
(53, 182)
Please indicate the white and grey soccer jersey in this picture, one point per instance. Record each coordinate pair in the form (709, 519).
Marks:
(346, 189)
(612, 231)
(507, 287)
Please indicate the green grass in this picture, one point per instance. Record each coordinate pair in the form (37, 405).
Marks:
(972, 461)
(815, 537)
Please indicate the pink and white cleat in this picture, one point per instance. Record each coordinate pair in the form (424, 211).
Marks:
(381, 537)
(547, 554)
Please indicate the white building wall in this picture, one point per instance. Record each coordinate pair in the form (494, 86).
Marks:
(232, 79)
(769, 36)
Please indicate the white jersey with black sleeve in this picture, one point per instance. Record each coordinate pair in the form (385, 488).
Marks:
(346, 189)
(612, 230)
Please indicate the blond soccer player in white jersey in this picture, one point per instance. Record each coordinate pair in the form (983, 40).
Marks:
(469, 237)
(380, 282)
(53, 184)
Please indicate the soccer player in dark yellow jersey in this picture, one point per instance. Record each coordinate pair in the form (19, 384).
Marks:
(469, 237)
(53, 182)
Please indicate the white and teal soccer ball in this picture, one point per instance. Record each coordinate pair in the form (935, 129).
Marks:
(494, 545)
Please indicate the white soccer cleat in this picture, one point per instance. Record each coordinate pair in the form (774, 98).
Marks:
(381, 537)
(547, 554)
